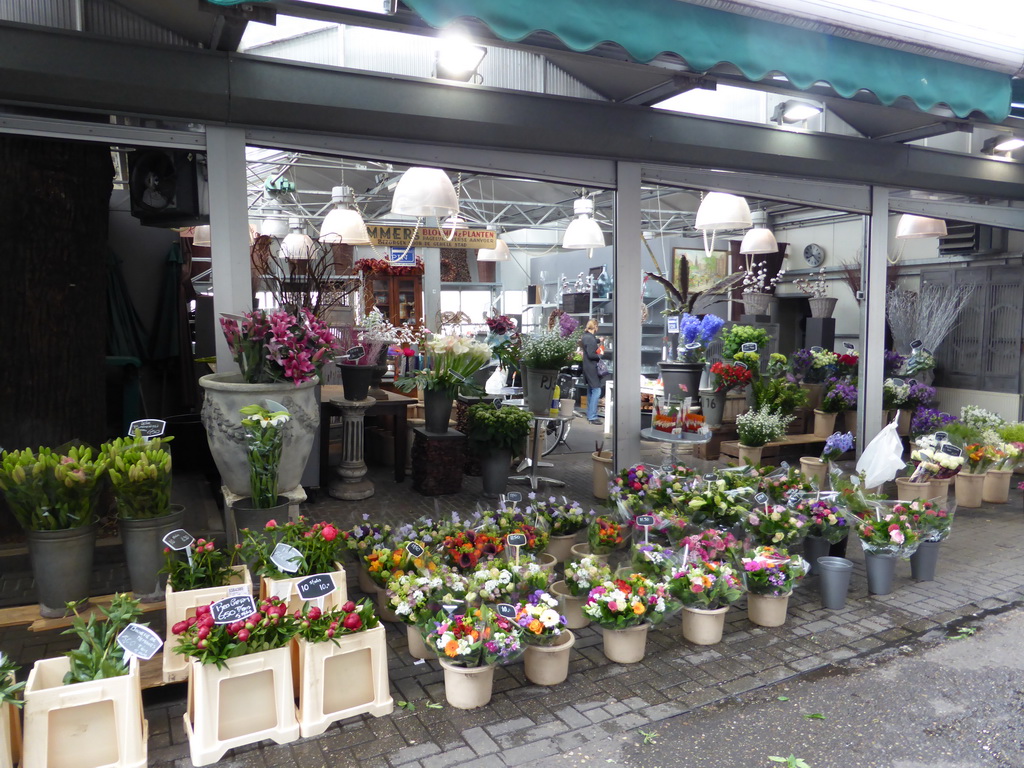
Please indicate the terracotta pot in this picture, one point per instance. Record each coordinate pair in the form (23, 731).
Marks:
(549, 664)
(702, 626)
(969, 489)
(824, 423)
(571, 606)
(626, 646)
(996, 489)
(467, 687)
(767, 610)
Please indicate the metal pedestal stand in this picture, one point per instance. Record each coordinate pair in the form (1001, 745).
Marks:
(534, 462)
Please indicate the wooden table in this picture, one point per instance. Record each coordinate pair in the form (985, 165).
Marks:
(396, 406)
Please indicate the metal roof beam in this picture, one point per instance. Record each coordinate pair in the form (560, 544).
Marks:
(1001, 216)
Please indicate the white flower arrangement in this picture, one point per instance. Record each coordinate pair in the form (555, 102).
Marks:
(817, 287)
(761, 425)
(756, 280)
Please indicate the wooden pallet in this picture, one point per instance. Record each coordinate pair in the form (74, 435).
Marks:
(29, 614)
(731, 448)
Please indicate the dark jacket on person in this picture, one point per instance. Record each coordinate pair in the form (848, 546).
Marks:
(591, 357)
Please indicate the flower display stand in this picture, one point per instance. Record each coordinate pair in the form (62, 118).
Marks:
(288, 592)
(180, 605)
(252, 698)
(10, 735)
(343, 680)
(95, 723)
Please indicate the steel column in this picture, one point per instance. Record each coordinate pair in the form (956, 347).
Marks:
(628, 287)
(872, 321)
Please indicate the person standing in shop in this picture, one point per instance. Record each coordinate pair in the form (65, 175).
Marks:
(593, 376)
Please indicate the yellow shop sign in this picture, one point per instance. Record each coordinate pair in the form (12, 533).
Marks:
(430, 237)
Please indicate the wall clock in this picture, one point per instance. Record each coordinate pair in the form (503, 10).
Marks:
(814, 254)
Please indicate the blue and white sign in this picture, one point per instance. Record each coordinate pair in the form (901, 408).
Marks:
(402, 257)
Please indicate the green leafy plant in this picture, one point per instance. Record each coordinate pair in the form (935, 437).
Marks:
(264, 440)
(9, 688)
(791, 762)
(54, 489)
(99, 656)
(209, 567)
(450, 361)
(778, 395)
(318, 543)
(963, 633)
(1012, 433)
(140, 471)
(549, 351)
(650, 737)
(734, 338)
(497, 428)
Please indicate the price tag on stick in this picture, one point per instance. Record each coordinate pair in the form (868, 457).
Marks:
(514, 497)
(354, 353)
(286, 558)
(232, 609)
(516, 540)
(140, 641)
(414, 549)
(645, 522)
(180, 539)
(749, 346)
(315, 587)
(505, 610)
(147, 428)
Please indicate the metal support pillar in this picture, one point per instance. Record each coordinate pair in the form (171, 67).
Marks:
(229, 231)
(628, 287)
(872, 321)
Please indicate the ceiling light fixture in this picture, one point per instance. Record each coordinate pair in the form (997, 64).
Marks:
(583, 232)
(297, 245)
(499, 252)
(720, 211)
(1001, 145)
(794, 111)
(457, 58)
(343, 224)
(910, 227)
(759, 240)
(425, 192)
(275, 223)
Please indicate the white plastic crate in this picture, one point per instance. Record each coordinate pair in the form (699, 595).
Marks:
(180, 605)
(83, 725)
(343, 680)
(10, 736)
(250, 699)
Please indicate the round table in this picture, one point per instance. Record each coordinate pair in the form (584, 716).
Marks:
(674, 441)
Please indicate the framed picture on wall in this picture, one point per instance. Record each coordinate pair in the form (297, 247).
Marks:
(704, 271)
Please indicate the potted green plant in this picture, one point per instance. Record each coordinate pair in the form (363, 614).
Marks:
(280, 356)
(241, 685)
(264, 438)
(735, 337)
(140, 472)
(757, 427)
(75, 702)
(450, 362)
(10, 719)
(53, 495)
(544, 354)
(495, 435)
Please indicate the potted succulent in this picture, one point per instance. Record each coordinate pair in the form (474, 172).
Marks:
(264, 438)
(342, 663)
(280, 356)
(53, 495)
(319, 551)
(469, 645)
(240, 686)
(198, 574)
(769, 575)
(91, 690)
(706, 589)
(140, 472)
(580, 577)
(449, 365)
(548, 640)
(625, 610)
(543, 355)
(757, 427)
(496, 435)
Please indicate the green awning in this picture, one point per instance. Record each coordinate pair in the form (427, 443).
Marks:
(705, 37)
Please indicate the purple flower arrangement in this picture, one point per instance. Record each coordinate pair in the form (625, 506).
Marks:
(920, 395)
(801, 362)
(928, 420)
(702, 331)
(567, 325)
(841, 396)
(836, 445)
(892, 362)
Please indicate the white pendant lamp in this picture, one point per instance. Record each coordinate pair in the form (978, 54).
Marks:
(343, 224)
(425, 192)
(919, 226)
(275, 223)
(719, 210)
(297, 245)
(583, 232)
(499, 252)
(201, 236)
(759, 240)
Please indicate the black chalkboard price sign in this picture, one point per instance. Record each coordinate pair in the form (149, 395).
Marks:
(232, 609)
(178, 539)
(354, 353)
(513, 497)
(749, 346)
(414, 549)
(506, 611)
(516, 539)
(761, 498)
(645, 521)
(312, 587)
(147, 428)
(140, 641)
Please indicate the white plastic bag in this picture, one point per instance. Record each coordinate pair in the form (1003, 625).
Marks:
(495, 382)
(883, 457)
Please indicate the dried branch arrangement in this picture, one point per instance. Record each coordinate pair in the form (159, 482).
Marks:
(929, 315)
(310, 282)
